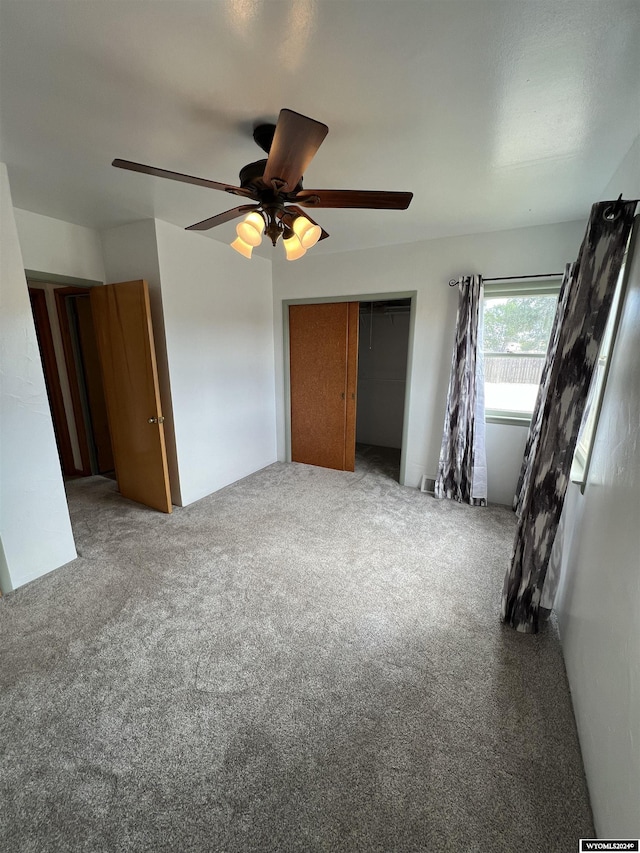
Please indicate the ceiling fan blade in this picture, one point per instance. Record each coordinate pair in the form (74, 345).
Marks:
(234, 213)
(292, 208)
(374, 199)
(178, 176)
(295, 142)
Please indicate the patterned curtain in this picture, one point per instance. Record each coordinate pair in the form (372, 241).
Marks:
(462, 470)
(536, 417)
(589, 289)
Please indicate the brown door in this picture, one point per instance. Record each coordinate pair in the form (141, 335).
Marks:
(323, 347)
(122, 321)
(93, 383)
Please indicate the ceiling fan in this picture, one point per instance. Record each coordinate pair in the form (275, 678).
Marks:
(275, 187)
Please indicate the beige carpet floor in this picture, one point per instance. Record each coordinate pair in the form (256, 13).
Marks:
(308, 660)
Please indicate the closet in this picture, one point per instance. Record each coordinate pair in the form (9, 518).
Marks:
(382, 372)
(348, 368)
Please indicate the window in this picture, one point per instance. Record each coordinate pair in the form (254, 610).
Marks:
(517, 326)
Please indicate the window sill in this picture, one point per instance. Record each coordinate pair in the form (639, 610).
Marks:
(507, 419)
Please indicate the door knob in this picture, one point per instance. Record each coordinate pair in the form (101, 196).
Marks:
(159, 420)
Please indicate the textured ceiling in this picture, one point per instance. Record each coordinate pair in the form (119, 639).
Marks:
(495, 114)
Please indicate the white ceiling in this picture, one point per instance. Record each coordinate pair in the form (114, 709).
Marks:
(495, 113)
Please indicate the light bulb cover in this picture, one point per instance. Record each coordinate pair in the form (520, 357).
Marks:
(293, 247)
(306, 231)
(251, 228)
(241, 247)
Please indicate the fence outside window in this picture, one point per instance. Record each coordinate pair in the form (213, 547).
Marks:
(513, 367)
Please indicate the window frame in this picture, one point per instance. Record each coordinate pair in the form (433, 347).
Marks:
(549, 286)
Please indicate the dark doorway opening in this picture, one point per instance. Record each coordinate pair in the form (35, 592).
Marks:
(382, 378)
(68, 349)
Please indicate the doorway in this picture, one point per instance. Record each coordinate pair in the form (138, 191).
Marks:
(385, 328)
(102, 354)
(383, 350)
(68, 349)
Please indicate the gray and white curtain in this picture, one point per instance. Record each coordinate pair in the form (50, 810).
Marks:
(536, 417)
(462, 470)
(588, 293)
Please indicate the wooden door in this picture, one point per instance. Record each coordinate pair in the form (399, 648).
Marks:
(122, 320)
(93, 383)
(323, 348)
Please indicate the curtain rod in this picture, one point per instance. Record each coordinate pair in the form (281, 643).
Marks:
(454, 281)
(514, 277)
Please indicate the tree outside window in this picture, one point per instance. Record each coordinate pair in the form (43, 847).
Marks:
(521, 324)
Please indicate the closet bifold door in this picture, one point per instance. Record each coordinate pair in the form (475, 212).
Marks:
(323, 352)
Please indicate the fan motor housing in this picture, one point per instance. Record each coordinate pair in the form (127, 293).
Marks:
(251, 174)
(251, 177)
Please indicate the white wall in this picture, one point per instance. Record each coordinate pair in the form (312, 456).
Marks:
(382, 372)
(425, 267)
(218, 316)
(131, 253)
(50, 245)
(626, 179)
(216, 308)
(598, 603)
(505, 452)
(35, 530)
(60, 249)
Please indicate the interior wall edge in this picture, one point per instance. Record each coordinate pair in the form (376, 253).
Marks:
(34, 516)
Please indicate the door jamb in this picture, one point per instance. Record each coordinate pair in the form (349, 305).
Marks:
(66, 280)
(361, 297)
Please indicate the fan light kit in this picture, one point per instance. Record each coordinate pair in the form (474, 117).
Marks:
(296, 240)
(275, 187)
